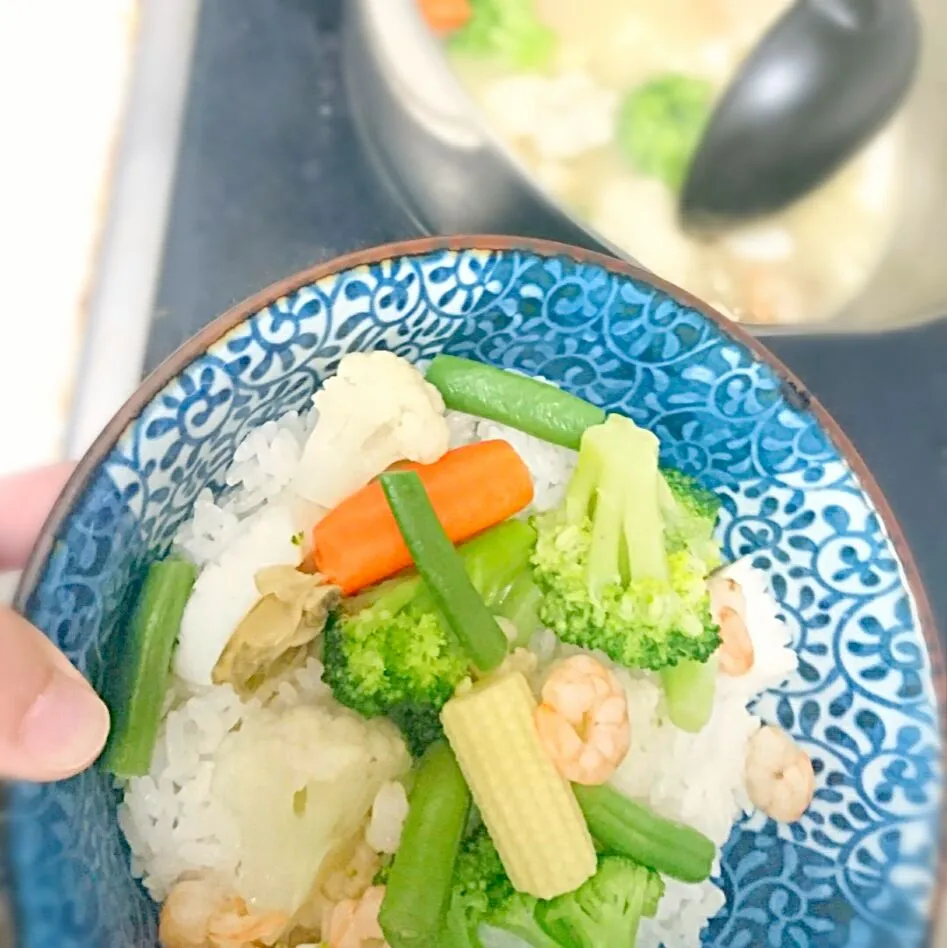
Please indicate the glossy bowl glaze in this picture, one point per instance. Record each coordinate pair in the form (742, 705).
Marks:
(859, 869)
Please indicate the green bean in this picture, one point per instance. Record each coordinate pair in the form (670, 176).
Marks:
(494, 561)
(539, 409)
(137, 697)
(495, 558)
(442, 568)
(420, 878)
(629, 829)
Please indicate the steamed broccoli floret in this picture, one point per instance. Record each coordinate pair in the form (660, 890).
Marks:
(479, 883)
(396, 659)
(518, 916)
(482, 894)
(623, 562)
(690, 515)
(695, 500)
(390, 652)
(509, 30)
(420, 724)
(661, 123)
(607, 909)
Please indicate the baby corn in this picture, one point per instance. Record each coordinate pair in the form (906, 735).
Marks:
(530, 810)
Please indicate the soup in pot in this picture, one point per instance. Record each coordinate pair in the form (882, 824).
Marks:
(603, 101)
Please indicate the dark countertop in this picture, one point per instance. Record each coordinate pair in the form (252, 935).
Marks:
(270, 179)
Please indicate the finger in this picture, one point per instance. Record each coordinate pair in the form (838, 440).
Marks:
(52, 724)
(25, 501)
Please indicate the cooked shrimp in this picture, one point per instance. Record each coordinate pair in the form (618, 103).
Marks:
(351, 880)
(345, 873)
(728, 603)
(779, 775)
(353, 923)
(236, 926)
(199, 913)
(186, 912)
(583, 720)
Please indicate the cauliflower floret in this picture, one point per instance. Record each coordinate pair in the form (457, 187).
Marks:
(564, 116)
(297, 784)
(376, 410)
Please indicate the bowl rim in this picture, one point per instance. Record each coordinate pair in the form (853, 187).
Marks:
(220, 326)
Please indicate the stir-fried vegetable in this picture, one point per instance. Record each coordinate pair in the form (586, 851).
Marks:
(419, 880)
(376, 410)
(509, 30)
(660, 125)
(539, 409)
(297, 784)
(602, 912)
(390, 652)
(292, 611)
(226, 590)
(520, 606)
(617, 562)
(607, 909)
(621, 566)
(689, 688)
(443, 570)
(529, 809)
(471, 488)
(689, 511)
(482, 894)
(141, 680)
(690, 515)
(627, 828)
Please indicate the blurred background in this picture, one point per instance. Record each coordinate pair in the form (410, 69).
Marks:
(171, 157)
(64, 92)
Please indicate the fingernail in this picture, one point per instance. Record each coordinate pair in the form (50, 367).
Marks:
(66, 726)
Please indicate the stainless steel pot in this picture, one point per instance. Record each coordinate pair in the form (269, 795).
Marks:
(440, 161)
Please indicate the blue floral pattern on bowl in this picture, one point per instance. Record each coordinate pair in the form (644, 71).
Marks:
(859, 869)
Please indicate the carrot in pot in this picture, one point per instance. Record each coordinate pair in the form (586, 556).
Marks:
(472, 488)
(446, 16)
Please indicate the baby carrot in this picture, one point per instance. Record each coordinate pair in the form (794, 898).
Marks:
(471, 488)
(445, 16)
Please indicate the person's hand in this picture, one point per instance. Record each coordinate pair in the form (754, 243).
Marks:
(52, 724)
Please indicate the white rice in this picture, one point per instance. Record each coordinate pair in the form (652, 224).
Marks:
(263, 465)
(173, 825)
(697, 779)
(171, 820)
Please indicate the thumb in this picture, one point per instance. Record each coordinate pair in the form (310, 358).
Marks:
(52, 724)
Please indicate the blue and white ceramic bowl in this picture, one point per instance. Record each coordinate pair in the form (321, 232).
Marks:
(860, 868)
